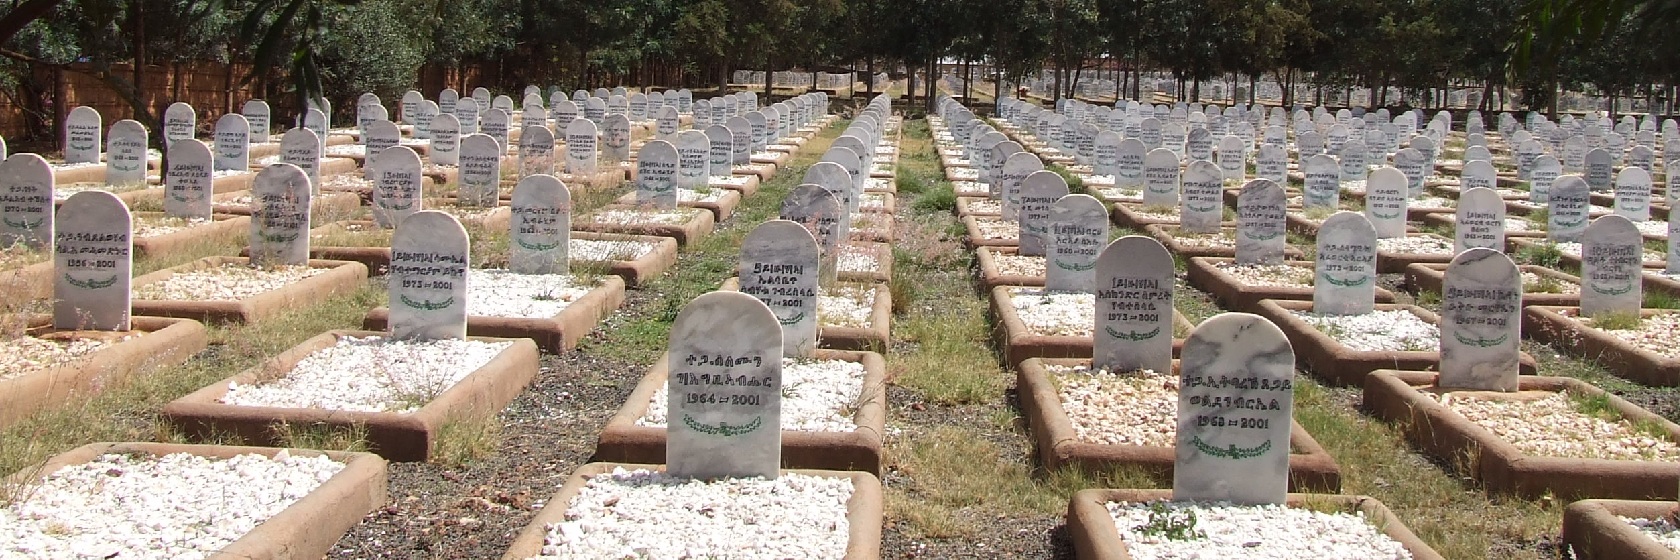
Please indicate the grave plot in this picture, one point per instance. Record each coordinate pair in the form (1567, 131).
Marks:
(329, 206)
(1342, 349)
(153, 500)
(1137, 215)
(865, 262)
(686, 225)
(1394, 254)
(1569, 253)
(1636, 530)
(1232, 470)
(1515, 226)
(533, 292)
(90, 341)
(1541, 285)
(1552, 436)
(850, 316)
(1241, 287)
(978, 206)
(1609, 322)
(1220, 243)
(723, 455)
(158, 233)
(400, 386)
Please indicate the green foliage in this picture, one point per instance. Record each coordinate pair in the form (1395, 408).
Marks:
(1171, 524)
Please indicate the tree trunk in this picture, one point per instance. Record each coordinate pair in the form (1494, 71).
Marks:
(869, 81)
(769, 78)
(59, 110)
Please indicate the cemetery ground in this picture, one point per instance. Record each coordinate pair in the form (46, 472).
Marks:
(961, 477)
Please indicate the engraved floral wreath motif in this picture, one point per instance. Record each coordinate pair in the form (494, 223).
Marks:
(723, 428)
(91, 284)
(1346, 283)
(427, 305)
(1231, 451)
(537, 246)
(792, 320)
(1481, 342)
(1133, 335)
(1076, 267)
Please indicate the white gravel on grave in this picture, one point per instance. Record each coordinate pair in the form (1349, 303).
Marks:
(69, 166)
(370, 374)
(1652, 228)
(231, 281)
(1098, 180)
(817, 396)
(1134, 408)
(846, 306)
(729, 181)
(341, 150)
(1226, 238)
(995, 227)
(875, 168)
(627, 216)
(1016, 265)
(1167, 213)
(340, 182)
(1573, 249)
(176, 507)
(62, 192)
(1356, 186)
(1664, 531)
(872, 201)
(633, 514)
(1658, 333)
(596, 250)
(1268, 275)
(856, 258)
(984, 206)
(958, 161)
(1551, 427)
(28, 354)
(963, 173)
(153, 226)
(1416, 245)
(879, 184)
(465, 213)
(1513, 223)
(1054, 313)
(1378, 331)
(1431, 202)
(502, 293)
(1509, 193)
(971, 188)
(695, 195)
(1265, 532)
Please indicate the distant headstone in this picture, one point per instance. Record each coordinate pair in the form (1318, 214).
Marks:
(93, 262)
(179, 123)
(668, 122)
(1412, 163)
(656, 175)
(1568, 207)
(1633, 194)
(1352, 158)
(1132, 168)
(536, 151)
(260, 117)
(1612, 255)
(580, 147)
(721, 155)
(780, 265)
(1599, 170)
(724, 430)
(83, 132)
(1386, 201)
(821, 213)
(1260, 223)
(187, 186)
(233, 143)
(300, 147)
(126, 153)
(1016, 169)
(467, 112)
(397, 181)
(1204, 198)
(481, 171)
(1478, 174)
(496, 124)
(1480, 221)
(280, 196)
(1233, 438)
(1232, 158)
(615, 138)
(1160, 177)
(1272, 164)
(541, 226)
(1481, 314)
(26, 201)
(1345, 272)
(428, 277)
(1078, 233)
(1322, 186)
(1546, 171)
(1134, 300)
(446, 140)
(1039, 192)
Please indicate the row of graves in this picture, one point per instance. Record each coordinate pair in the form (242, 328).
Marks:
(484, 268)
(1294, 242)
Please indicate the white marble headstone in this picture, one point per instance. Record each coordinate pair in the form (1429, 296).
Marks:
(1568, 207)
(1039, 191)
(541, 226)
(1612, 260)
(260, 117)
(1386, 202)
(428, 277)
(656, 175)
(83, 133)
(781, 265)
(1203, 203)
(1233, 438)
(1345, 271)
(233, 143)
(1480, 220)
(93, 262)
(280, 196)
(126, 153)
(724, 429)
(397, 184)
(300, 147)
(1078, 233)
(1481, 319)
(580, 147)
(1134, 299)
(481, 171)
(1260, 223)
(26, 201)
(179, 123)
(1160, 177)
(187, 186)
(615, 138)
(445, 148)
(1633, 194)
(536, 151)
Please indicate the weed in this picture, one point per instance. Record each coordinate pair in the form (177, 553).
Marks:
(1661, 300)
(1543, 284)
(1540, 254)
(1171, 524)
(1617, 320)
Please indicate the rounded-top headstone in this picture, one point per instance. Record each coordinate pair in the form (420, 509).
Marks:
(1568, 207)
(1134, 309)
(397, 184)
(93, 262)
(1480, 220)
(187, 186)
(26, 201)
(1386, 201)
(781, 266)
(1078, 232)
(1481, 312)
(83, 133)
(428, 277)
(1345, 271)
(1612, 255)
(1233, 438)
(1039, 191)
(541, 226)
(280, 196)
(724, 429)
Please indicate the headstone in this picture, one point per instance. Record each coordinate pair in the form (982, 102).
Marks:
(1134, 300)
(1203, 204)
(725, 429)
(1106, 146)
(541, 226)
(1478, 174)
(1132, 166)
(428, 277)
(280, 196)
(125, 153)
(1322, 186)
(1233, 438)
(1386, 202)
(1545, 171)
(1015, 170)
(1612, 255)
(93, 261)
(668, 122)
(721, 155)
(615, 138)
(187, 187)
(26, 201)
(300, 147)
(260, 117)
(1039, 192)
(693, 167)
(397, 182)
(1481, 311)
(1599, 170)
(83, 133)
(656, 175)
(580, 147)
(780, 265)
(447, 99)
(179, 123)
(1411, 162)
(445, 148)
(377, 136)
(1567, 209)
(408, 108)
(1160, 177)
(1232, 158)
(1352, 158)
(495, 125)
(1260, 223)
(1078, 232)
(1480, 219)
(1272, 164)
(1198, 144)
(233, 143)
(467, 112)
(481, 171)
(821, 213)
(1345, 271)
(1633, 194)
(536, 151)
